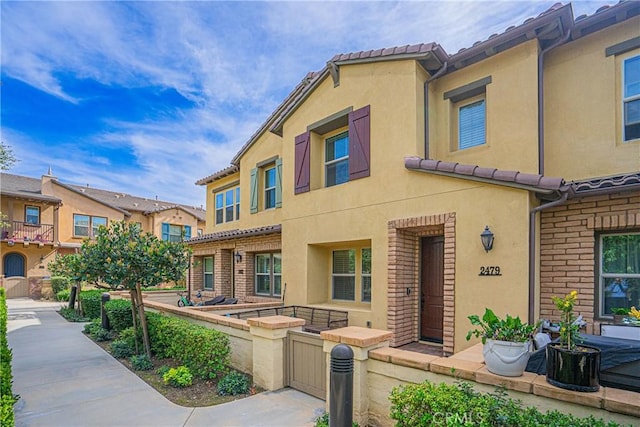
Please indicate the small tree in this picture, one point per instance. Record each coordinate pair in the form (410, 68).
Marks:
(123, 257)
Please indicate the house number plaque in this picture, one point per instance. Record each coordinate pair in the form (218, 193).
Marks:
(490, 270)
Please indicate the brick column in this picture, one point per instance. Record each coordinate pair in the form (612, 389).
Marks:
(361, 340)
(269, 335)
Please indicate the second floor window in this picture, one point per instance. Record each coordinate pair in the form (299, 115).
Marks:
(87, 225)
(227, 204)
(631, 98)
(471, 125)
(337, 159)
(270, 188)
(174, 232)
(32, 215)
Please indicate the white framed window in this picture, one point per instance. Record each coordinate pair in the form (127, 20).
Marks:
(631, 98)
(619, 265)
(175, 232)
(87, 225)
(32, 215)
(270, 188)
(336, 163)
(268, 276)
(227, 205)
(343, 275)
(365, 275)
(207, 267)
(471, 124)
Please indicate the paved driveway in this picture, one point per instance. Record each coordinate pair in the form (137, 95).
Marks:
(64, 379)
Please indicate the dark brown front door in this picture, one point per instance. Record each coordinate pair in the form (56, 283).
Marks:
(432, 288)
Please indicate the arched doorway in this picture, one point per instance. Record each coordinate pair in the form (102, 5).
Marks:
(13, 265)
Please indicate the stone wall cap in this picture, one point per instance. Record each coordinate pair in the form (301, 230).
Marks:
(357, 336)
(275, 322)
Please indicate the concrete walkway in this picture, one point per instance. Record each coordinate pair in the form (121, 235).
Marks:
(64, 379)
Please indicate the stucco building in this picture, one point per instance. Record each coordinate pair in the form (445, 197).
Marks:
(368, 188)
(45, 217)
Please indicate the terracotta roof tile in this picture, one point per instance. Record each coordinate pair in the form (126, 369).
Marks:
(236, 233)
(218, 175)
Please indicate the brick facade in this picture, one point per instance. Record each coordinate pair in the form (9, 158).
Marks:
(231, 278)
(568, 256)
(403, 316)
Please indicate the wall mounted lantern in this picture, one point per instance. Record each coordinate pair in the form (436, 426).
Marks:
(238, 257)
(487, 239)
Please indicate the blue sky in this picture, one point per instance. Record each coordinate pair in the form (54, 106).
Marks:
(148, 97)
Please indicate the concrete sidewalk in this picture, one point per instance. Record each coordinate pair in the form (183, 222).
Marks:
(64, 379)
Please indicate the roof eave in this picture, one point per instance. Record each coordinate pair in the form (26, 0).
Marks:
(70, 188)
(29, 196)
(605, 17)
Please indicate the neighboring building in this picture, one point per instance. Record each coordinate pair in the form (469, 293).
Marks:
(367, 189)
(45, 217)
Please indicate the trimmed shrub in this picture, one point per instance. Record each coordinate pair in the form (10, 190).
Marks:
(178, 377)
(119, 314)
(60, 283)
(122, 349)
(204, 351)
(233, 383)
(63, 295)
(91, 301)
(428, 404)
(162, 370)
(72, 315)
(130, 336)
(7, 398)
(141, 363)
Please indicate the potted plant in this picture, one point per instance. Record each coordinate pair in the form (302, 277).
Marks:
(507, 342)
(569, 365)
(619, 313)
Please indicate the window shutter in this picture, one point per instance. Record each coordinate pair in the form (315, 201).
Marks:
(165, 231)
(278, 183)
(303, 165)
(187, 232)
(253, 205)
(359, 143)
(471, 125)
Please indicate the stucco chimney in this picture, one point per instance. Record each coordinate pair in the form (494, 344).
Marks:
(46, 187)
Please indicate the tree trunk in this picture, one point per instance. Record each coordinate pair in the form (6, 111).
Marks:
(143, 322)
(134, 306)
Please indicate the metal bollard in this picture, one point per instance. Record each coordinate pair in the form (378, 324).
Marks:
(105, 320)
(72, 296)
(341, 384)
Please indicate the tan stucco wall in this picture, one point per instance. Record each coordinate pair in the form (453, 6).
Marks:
(587, 124)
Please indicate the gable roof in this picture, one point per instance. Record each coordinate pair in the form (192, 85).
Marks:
(24, 187)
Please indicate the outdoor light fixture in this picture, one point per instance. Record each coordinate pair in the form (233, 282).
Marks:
(41, 259)
(487, 239)
(238, 257)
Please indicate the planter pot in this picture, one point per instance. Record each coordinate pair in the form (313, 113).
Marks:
(576, 370)
(618, 319)
(506, 358)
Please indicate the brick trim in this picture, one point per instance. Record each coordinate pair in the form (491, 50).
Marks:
(403, 272)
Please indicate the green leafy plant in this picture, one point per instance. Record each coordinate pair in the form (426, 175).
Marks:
(178, 377)
(60, 283)
(233, 383)
(429, 404)
(72, 316)
(63, 295)
(622, 311)
(569, 330)
(162, 370)
(121, 349)
(91, 301)
(141, 363)
(7, 398)
(492, 327)
(95, 330)
(119, 314)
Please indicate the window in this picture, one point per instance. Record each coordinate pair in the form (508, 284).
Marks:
(346, 156)
(270, 188)
(337, 159)
(174, 232)
(268, 274)
(208, 272)
(86, 225)
(471, 125)
(32, 215)
(366, 275)
(344, 275)
(227, 205)
(619, 272)
(631, 98)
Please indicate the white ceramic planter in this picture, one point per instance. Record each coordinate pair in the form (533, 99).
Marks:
(506, 358)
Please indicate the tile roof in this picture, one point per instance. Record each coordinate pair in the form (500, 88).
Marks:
(230, 170)
(23, 187)
(236, 233)
(605, 185)
(532, 182)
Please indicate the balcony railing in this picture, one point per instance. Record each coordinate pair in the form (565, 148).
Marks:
(24, 232)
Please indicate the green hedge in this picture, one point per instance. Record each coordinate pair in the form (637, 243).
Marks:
(7, 398)
(429, 404)
(119, 314)
(60, 283)
(91, 301)
(204, 351)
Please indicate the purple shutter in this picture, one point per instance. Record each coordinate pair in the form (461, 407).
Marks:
(303, 166)
(359, 146)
